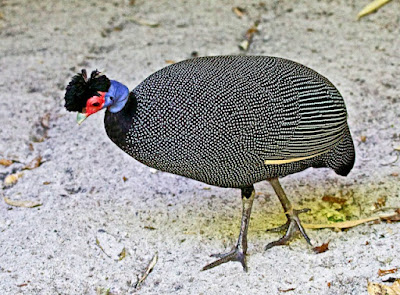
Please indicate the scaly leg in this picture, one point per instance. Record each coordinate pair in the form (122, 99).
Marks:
(239, 252)
(293, 224)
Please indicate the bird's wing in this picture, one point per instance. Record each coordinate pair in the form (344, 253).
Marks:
(292, 119)
(322, 123)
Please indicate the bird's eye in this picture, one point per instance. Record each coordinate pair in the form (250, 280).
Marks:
(111, 97)
(96, 104)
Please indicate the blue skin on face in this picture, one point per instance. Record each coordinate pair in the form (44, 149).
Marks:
(116, 97)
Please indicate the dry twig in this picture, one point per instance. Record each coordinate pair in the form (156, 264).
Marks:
(148, 270)
(353, 223)
(371, 7)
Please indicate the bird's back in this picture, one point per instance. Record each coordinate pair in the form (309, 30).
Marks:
(235, 120)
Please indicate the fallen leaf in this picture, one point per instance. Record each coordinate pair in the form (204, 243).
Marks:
(148, 270)
(102, 291)
(36, 162)
(240, 12)
(45, 120)
(170, 61)
(392, 218)
(384, 272)
(397, 148)
(250, 32)
(352, 223)
(118, 28)
(332, 199)
(149, 227)
(395, 174)
(12, 178)
(363, 138)
(394, 161)
(321, 249)
(5, 162)
(380, 289)
(144, 23)
(371, 7)
(380, 202)
(110, 245)
(122, 255)
(21, 203)
(124, 178)
(245, 44)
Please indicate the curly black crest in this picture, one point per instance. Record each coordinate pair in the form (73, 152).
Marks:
(80, 89)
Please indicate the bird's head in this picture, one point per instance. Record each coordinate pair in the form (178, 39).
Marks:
(90, 95)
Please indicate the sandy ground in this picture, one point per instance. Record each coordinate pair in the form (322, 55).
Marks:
(98, 202)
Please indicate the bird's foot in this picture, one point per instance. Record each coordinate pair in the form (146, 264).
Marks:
(292, 226)
(280, 228)
(235, 254)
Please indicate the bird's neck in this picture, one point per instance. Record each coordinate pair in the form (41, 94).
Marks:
(125, 108)
(118, 124)
(118, 105)
(130, 106)
(121, 94)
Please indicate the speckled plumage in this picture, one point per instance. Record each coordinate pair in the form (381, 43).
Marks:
(218, 119)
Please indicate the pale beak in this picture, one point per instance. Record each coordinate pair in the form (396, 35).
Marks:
(80, 118)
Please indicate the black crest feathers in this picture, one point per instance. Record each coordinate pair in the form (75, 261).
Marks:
(80, 89)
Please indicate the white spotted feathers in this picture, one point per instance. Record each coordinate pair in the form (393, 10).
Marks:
(232, 121)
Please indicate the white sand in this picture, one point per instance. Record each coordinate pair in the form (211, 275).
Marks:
(52, 249)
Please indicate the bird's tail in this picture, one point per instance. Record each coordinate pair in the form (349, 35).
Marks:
(343, 155)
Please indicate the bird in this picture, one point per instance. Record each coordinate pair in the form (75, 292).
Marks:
(227, 121)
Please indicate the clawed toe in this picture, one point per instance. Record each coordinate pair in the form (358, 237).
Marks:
(221, 255)
(239, 252)
(234, 255)
(293, 226)
(279, 229)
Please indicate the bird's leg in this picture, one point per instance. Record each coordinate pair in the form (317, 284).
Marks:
(293, 224)
(238, 253)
